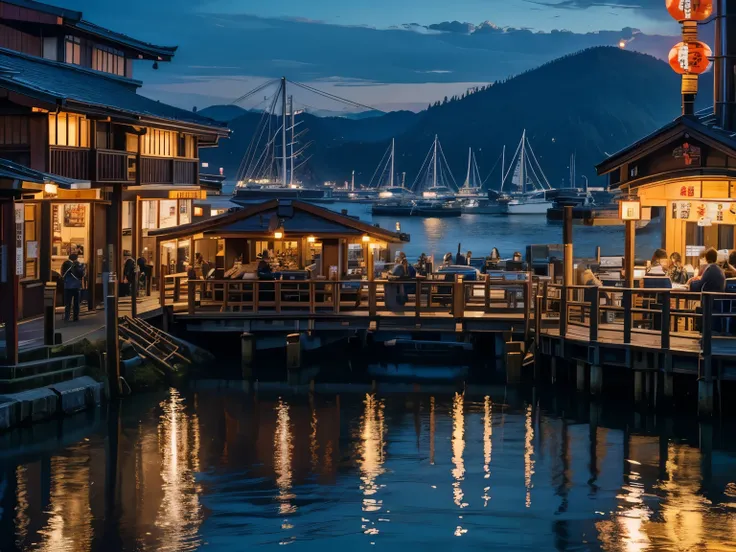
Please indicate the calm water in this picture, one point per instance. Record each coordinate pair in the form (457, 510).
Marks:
(480, 233)
(226, 470)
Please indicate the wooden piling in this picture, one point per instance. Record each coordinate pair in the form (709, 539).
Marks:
(112, 338)
(638, 387)
(293, 351)
(553, 369)
(247, 348)
(596, 380)
(581, 369)
(49, 313)
(514, 360)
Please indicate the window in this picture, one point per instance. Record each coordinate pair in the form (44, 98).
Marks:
(158, 143)
(108, 60)
(73, 50)
(30, 241)
(185, 209)
(185, 146)
(13, 130)
(68, 129)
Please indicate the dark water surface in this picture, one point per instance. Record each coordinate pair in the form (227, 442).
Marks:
(228, 470)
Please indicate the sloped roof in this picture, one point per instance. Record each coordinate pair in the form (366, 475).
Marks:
(14, 171)
(298, 218)
(702, 126)
(73, 19)
(92, 92)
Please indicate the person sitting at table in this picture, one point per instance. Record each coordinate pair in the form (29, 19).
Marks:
(656, 275)
(447, 261)
(264, 267)
(677, 272)
(421, 266)
(723, 261)
(712, 279)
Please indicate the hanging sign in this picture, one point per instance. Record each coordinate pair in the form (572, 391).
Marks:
(629, 210)
(19, 235)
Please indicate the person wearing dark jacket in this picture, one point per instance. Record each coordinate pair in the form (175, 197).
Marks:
(72, 273)
(713, 278)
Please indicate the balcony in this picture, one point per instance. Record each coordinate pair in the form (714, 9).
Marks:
(69, 162)
(115, 166)
(164, 170)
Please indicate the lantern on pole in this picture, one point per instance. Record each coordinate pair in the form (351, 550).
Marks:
(690, 57)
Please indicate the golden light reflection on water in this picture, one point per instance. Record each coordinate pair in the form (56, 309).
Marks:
(432, 428)
(371, 447)
(22, 520)
(458, 448)
(180, 512)
(487, 445)
(313, 442)
(69, 526)
(528, 455)
(283, 449)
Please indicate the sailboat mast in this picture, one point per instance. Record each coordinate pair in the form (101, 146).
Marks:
(391, 178)
(467, 178)
(522, 161)
(284, 114)
(352, 182)
(291, 153)
(503, 165)
(434, 159)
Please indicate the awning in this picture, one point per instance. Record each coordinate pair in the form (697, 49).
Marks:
(26, 179)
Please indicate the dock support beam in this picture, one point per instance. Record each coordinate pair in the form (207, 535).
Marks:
(247, 343)
(581, 369)
(293, 351)
(596, 380)
(668, 385)
(638, 387)
(112, 339)
(553, 369)
(514, 360)
(705, 397)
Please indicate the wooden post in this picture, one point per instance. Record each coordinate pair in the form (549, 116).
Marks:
(563, 311)
(487, 293)
(514, 360)
(113, 343)
(246, 354)
(162, 286)
(10, 283)
(705, 380)
(627, 304)
(293, 351)
(418, 300)
(191, 295)
(114, 230)
(372, 298)
(581, 376)
(596, 380)
(49, 313)
(538, 319)
(568, 251)
(629, 253)
(277, 295)
(595, 314)
(638, 386)
(134, 292)
(527, 297)
(666, 304)
(458, 297)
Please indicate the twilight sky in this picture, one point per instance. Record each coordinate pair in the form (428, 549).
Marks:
(367, 50)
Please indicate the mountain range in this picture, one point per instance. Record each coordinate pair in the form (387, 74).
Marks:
(592, 103)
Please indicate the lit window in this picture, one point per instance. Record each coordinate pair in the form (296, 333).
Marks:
(73, 51)
(68, 129)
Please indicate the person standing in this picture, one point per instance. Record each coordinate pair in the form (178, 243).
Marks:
(72, 273)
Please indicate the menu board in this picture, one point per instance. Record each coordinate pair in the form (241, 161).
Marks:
(705, 213)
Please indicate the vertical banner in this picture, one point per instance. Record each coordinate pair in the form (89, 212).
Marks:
(19, 234)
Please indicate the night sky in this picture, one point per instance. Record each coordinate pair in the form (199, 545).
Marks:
(378, 52)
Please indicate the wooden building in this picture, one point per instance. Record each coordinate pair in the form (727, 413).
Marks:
(297, 235)
(69, 108)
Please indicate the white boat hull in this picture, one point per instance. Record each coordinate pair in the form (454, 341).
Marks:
(528, 208)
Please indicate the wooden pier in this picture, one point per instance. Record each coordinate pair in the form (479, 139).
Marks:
(651, 332)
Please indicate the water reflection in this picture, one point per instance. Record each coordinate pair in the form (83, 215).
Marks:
(528, 455)
(371, 458)
(180, 512)
(487, 446)
(178, 490)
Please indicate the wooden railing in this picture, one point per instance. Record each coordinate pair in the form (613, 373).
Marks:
(408, 297)
(156, 170)
(112, 166)
(69, 162)
(661, 318)
(186, 171)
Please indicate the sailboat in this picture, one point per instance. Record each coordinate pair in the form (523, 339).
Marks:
(490, 203)
(393, 200)
(530, 192)
(472, 188)
(265, 175)
(435, 180)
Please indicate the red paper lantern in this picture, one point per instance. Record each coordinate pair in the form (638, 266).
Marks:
(690, 10)
(690, 57)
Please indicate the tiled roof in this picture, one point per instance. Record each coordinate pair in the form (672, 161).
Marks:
(89, 91)
(74, 19)
(164, 53)
(9, 169)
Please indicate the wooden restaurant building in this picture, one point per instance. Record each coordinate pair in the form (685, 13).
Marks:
(117, 164)
(302, 240)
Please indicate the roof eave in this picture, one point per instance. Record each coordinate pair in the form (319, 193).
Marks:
(151, 52)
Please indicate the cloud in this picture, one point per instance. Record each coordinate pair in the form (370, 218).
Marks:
(651, 8)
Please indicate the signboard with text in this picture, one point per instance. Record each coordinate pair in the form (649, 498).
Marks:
(629, 210)
(704, 213)
(19, 235)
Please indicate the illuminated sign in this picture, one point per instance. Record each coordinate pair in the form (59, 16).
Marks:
(187, 194)
(629, 210)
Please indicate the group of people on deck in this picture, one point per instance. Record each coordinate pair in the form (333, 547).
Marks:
(714, 268)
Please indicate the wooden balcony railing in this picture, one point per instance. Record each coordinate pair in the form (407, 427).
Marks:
(69, 162)
(112, 166)
(165, 170)
(186, 171)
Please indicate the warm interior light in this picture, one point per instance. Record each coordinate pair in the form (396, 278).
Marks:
(366, 238)
(386, 194)
(398, 226)
(198, 212)
(311, 239)
(278, 234)
(430, 195)
(50, 189)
